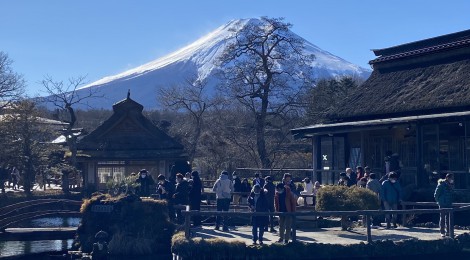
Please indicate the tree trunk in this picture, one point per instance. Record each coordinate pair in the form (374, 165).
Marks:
(260, 136)
(65, 181)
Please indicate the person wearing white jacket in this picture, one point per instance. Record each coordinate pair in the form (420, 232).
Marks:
(308, 190)
(223, 194)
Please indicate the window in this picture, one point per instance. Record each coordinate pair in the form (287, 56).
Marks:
(110, 170)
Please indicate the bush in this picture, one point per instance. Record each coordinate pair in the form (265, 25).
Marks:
(342, 198)
(216, 248)
(136, 226)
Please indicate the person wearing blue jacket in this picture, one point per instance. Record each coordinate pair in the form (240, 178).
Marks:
(444, 197)
(391, 194)
(258, 203)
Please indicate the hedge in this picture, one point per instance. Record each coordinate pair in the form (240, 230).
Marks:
(136, 226)
(216, 248)
(342, 198)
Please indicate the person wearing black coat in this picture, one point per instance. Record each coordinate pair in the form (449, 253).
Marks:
(145, 180)
(258, 203)
(237, 187)
(165, 190)
(270, 191)
(195, 196)
(181, 195)
(246, 187)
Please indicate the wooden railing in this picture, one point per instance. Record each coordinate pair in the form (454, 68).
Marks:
(366, 213)
(21, 211)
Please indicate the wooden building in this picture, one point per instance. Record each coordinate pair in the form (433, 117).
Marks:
(126, 143)
(415, 103)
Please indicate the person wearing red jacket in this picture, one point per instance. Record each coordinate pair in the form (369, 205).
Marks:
(284, 201)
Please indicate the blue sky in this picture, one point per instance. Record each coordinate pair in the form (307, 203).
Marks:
(66, 39)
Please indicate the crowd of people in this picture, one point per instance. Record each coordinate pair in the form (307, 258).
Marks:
(263, 195)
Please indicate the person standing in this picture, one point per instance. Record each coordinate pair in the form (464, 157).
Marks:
(344, 180)
(258, 180)
(258, 203)
(287, 180)
(270, 191)
(374, 185)
(195, 196)
(359, 173)
(246, 188)
(308, 190)
(145, 180)
(180, 197)
(444, 195)
(237, 187)
(15, 177)
(352, 176)
(284, 201)
(3, 178)
(391, 194)
(165, 190)
(223, 189)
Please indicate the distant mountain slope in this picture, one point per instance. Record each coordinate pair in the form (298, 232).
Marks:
(197, 60)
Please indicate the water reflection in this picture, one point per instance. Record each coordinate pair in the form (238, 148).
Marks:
(55, 222)
(11, 248)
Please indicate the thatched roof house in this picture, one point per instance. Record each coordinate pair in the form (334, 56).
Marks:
(126, 143)
(423, 77)
(416, 103)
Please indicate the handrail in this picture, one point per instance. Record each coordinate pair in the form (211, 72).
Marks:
(4, 223)
(367, 213)
(31, 203)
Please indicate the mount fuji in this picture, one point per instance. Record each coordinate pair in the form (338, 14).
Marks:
(196, 61)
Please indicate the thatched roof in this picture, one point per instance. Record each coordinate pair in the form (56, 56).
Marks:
(429, 76)
(129, 134)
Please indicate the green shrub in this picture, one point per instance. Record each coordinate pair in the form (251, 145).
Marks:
(136, 226)
(342, 198)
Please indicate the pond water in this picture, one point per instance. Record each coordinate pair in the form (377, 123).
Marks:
(14, 248)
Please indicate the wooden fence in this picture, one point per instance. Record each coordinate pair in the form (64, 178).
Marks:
(366, 213)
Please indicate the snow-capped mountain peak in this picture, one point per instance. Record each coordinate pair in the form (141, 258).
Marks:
(198, 59)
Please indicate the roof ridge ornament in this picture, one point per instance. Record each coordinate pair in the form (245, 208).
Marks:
(128, 94)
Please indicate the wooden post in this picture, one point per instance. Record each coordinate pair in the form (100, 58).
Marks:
(451, 223)
(315, 166)
(294, 228)
(187, 224)
(403, 216)
(369, 231)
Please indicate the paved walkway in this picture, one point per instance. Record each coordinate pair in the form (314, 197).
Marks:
(325, 235)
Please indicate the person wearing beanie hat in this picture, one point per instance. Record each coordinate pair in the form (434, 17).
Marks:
(223, 193)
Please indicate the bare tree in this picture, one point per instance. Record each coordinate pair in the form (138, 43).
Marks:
(266, 69)
(11, 83)
(64, 95)
(191, 97)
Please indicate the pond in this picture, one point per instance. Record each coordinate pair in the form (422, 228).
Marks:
(15, 248)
